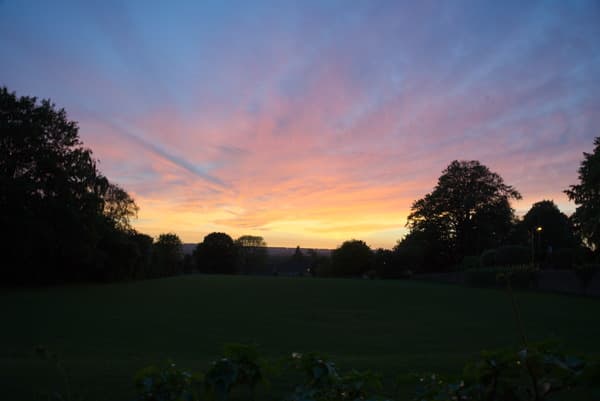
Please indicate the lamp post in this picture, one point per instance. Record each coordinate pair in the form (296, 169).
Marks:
(537, 229)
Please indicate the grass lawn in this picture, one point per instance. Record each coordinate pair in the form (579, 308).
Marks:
(105, 333)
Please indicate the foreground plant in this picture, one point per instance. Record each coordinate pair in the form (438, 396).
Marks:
(240, 367)
(166, 382)
(67, 394)
(324, 383)
(537, 373)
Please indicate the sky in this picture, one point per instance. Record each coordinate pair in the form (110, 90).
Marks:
(310, 123)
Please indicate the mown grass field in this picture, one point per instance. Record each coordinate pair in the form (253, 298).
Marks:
(105, 333)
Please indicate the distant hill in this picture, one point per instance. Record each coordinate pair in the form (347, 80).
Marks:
(277, 251)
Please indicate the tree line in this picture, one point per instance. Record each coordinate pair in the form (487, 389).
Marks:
(63, 221)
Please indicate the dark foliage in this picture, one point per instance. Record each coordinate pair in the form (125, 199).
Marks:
(467, 212)
(252, 254)
(66, 221)
(319, 265)
(167, 255)
(524, 276)
(216, 254)
(547, 230)
(422, 251)
(353, 258)
(586, 196)
(512, 255)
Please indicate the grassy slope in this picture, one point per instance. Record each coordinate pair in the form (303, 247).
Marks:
(105, 333)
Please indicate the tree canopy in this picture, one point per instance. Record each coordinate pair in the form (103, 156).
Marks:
(352, 258)
(586, 196)
(217, 254)
(556, 229)
(168, 255)
(252, 254)
(468, 210)
(64, 220)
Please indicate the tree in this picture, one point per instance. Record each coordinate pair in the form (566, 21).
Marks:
(216, 254)
(352, 258)
(119, 207)
(252, 254)
(53, 197)
(548, 229)
(167, 255)
(421, 251)
(468, 210)
(384, 263)
(586, 196)
(144, 244)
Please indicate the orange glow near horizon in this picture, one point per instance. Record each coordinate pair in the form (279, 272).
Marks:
(324, 124)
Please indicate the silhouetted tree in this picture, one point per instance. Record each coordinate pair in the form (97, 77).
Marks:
(556, 229)
(252, 254)
(143, 267)
(468, 211)
(586, 196)
(424, 250)
(168, 255)
(352, 258)
(63, 216)
(216, 254)
(119, 207)
(384, 263)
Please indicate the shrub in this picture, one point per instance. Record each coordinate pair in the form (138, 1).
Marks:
(520, 276)
(239, 368)
(536, 373)
(562, 258)
(166, 383)
(585, 273)
(324, 383)
(470, 262)
(488, 258)
(513, 255)
(532, 373)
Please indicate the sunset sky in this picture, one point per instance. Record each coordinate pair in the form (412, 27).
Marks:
(310, 123)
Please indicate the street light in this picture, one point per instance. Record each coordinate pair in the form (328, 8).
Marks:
(539, 230)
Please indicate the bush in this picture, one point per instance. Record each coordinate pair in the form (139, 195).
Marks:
(584, 255)
(538, 372)
(470, 262)
(513, 255)
(488, 258)
(239, 368)
(166, 383)
(324, 383)
(520, 276)
(585, 273)
(562, 259)
(534, 372)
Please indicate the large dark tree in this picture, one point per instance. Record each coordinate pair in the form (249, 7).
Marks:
(252, 254)
(216, 254)
(468, 211)
(548, 226)
(56, 209)
(352, 258)
(167, 255)
(586, 196)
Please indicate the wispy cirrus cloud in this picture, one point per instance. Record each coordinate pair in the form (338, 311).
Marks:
(327, 122)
